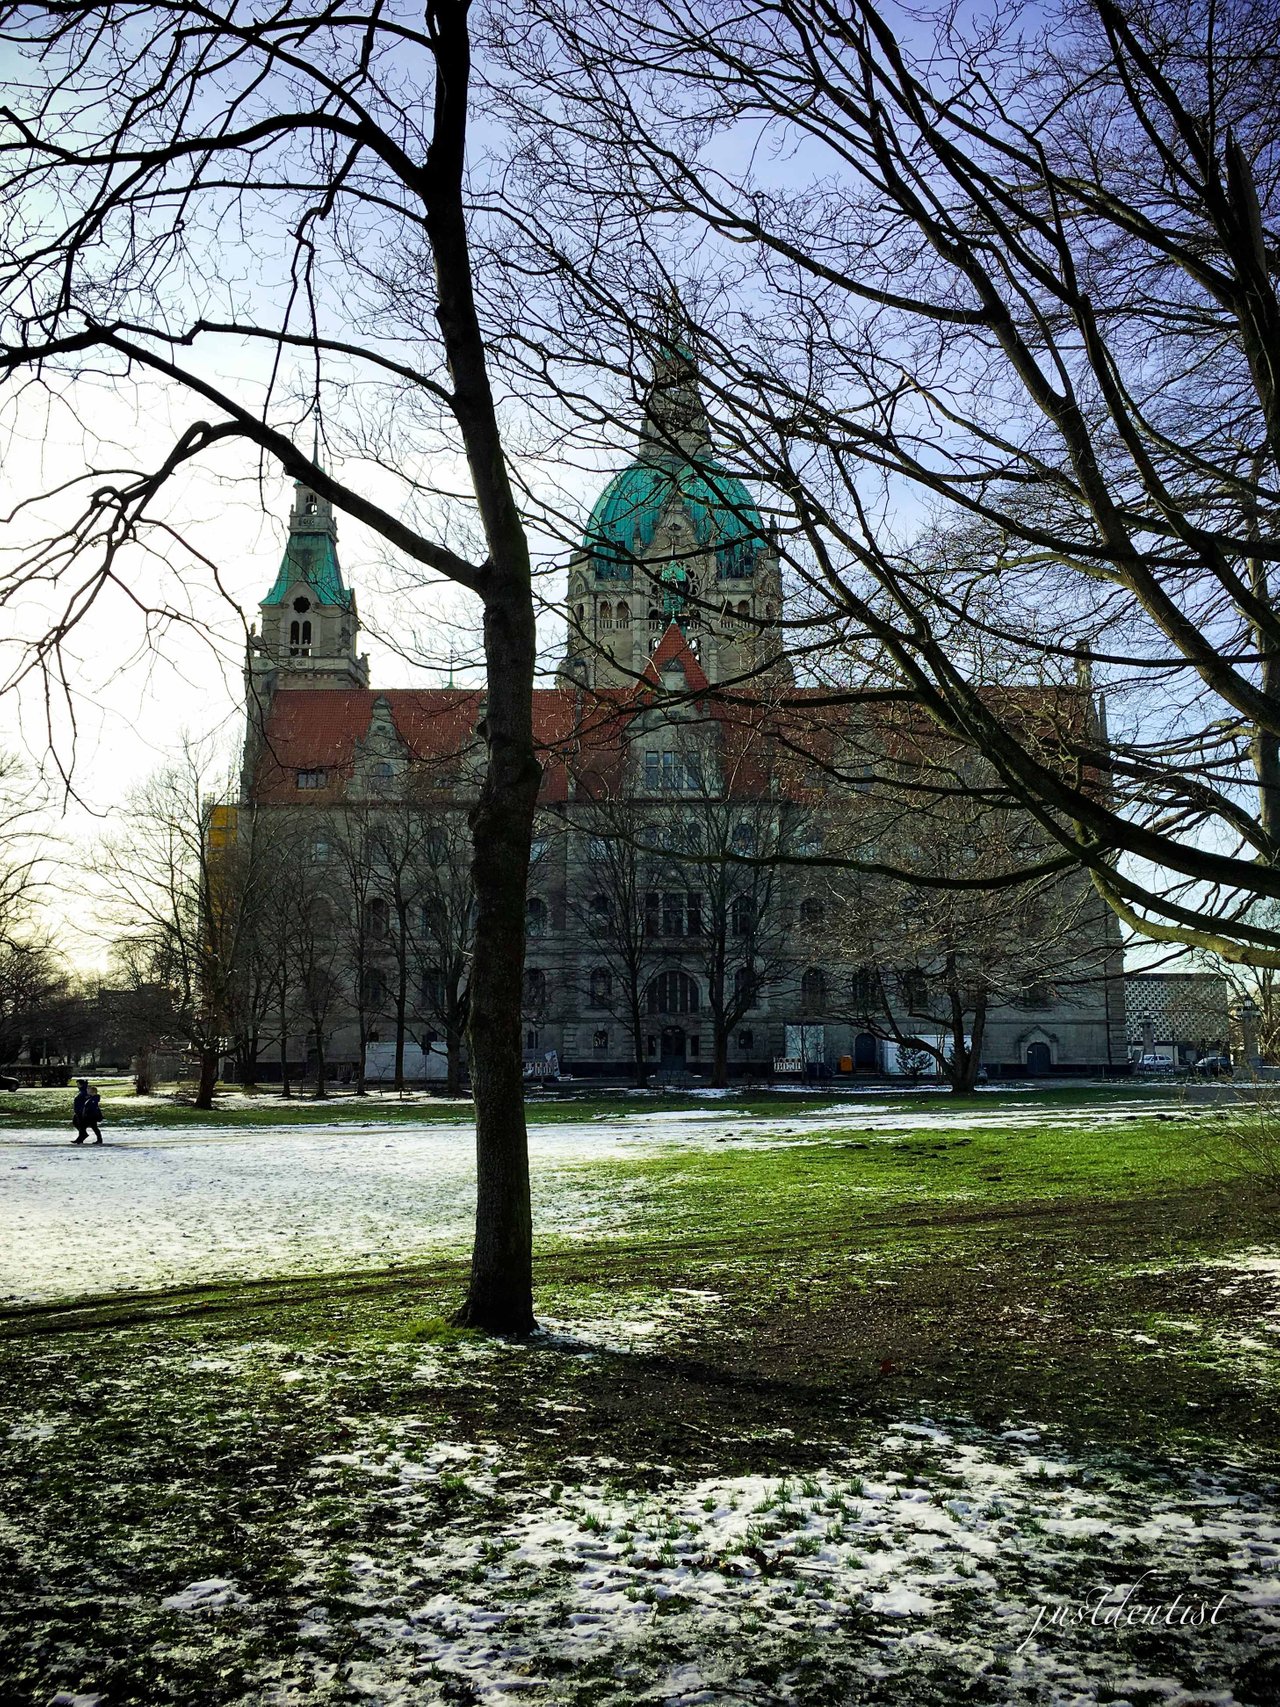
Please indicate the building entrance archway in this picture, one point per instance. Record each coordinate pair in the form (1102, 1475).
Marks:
(1039, 1058)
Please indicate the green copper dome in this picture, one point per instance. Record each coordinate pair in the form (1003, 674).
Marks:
(626, 515)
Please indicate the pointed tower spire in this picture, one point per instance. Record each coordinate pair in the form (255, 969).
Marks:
(675, 420)
(309, 620)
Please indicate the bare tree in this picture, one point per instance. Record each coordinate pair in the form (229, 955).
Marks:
(445, 938)
(931, 964)
(181, 900)
(152, 157)
(1016, 276)
(351, 881)
(606, 904)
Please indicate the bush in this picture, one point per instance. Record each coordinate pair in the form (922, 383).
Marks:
(1249, 1133)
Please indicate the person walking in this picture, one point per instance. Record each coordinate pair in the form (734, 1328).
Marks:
(79, 1109)
(93, 1114)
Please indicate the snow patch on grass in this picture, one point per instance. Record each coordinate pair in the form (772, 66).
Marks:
(937, 1569)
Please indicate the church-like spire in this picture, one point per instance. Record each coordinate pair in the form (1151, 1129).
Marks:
(675, 419)
(311, 555)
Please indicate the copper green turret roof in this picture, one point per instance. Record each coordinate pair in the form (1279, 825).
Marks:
(311, 555)
(674, 461)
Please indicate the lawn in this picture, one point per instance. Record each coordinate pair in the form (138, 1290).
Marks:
(831, 1403)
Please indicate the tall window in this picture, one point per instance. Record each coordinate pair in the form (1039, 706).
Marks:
(915, 992)
(601, 987)
(535, 917)
(813, 991)
(606, 613)
(744, 987)
(742, 915)
(376, 917)
(375, 988)
(622, 615)
(535, 986)
(862, 988)
(672, 992)
(811, 912)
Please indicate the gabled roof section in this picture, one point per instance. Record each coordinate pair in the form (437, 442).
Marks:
(674, 648)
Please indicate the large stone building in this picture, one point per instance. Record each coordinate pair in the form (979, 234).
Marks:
(676, 918)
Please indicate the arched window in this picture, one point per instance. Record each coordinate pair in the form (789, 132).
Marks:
(306, 635)
(376, 917)
(535, 987)
(742, 915)
(623, 614)
(744, 987)
(295, 630)
(535, 917)
(862, 988)
(601, 987)
(375, 988)
(600, 910)
(744, 839)
(812, 912)
(605, 613)
(672, 992)
(744, 609)
(579, 613)
(813, 991)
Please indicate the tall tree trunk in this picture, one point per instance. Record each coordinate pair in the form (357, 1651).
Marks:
(286, 1089)
(500, 1296)
(637, 1040)
(402, 1002)
(362, 1047)
(248, 1062)
(321, 1084)
(720, 1052)
(208, 1076)
(453, 1050)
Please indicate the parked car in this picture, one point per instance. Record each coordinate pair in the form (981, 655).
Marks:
(1154, 1064)
(7, 1084)
(1213, 1067)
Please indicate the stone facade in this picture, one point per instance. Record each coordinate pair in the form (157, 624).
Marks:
(671, 916)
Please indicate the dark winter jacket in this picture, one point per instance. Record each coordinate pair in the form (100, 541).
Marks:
(80, 1108)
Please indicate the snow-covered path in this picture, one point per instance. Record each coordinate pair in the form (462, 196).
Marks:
(158, 1206)
(161, 1207)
